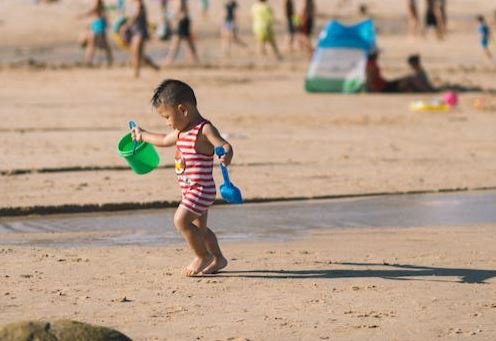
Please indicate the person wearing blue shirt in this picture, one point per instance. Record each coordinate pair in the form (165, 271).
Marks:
(485, 35)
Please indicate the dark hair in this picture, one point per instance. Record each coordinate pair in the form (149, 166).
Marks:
(173, 92)
(414, 59)
(373, 54)
(480, 18)
(363, 9)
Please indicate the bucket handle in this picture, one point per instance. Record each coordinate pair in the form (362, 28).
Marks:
(132, 125)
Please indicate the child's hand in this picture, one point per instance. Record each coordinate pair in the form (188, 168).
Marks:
(137, 134)
(227, 157)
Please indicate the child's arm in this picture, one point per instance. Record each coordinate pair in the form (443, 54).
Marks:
(213, 136)
(159, 140)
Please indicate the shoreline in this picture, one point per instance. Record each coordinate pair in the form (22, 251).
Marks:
(293, 220)
(25, 211)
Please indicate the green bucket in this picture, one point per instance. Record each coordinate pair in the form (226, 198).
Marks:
(145, 158)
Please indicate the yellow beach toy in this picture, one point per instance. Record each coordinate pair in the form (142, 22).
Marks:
(432, 105)
(123, 45)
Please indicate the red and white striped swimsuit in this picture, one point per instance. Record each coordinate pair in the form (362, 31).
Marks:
(194, 172)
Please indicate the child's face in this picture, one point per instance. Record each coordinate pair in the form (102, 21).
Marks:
(174, 116)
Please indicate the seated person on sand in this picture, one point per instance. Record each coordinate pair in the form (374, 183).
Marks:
(374, 80)
(417, 82)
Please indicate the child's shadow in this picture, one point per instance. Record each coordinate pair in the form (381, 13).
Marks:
(396, 272)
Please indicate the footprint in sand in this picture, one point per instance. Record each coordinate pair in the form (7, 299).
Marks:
(367, 326)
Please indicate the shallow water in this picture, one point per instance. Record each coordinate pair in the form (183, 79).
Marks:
(273, 221)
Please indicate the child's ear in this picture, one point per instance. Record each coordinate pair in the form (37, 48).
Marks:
(182, 109)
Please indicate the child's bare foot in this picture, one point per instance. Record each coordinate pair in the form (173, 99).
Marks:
(197, 265)
(215, 265)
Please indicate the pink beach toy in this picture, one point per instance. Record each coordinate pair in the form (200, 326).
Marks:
(450, 98)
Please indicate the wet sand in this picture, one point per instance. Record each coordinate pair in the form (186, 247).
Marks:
(274, 221)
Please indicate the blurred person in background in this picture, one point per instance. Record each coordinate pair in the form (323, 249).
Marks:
(96, 36)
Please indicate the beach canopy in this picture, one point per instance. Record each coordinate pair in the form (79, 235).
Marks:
(340, 57)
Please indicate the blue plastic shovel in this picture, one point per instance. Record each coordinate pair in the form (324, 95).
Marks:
(132, 125)
(228, 191)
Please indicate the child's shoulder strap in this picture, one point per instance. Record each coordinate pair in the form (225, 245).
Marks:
(204, 123)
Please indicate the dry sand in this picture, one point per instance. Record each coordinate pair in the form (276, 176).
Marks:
(381, 284)
(60, 125)
(288, 143)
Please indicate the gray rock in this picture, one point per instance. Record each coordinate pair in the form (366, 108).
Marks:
(61, 330)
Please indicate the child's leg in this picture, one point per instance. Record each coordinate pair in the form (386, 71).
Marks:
(273, 44)
(136, 51)
(237, 39)
(149, 62)
(83, 39)
(308, 45)
(195, 237)
(226, 41)
(439, 27)
(90, 49)
(174, 47)
(108, 51)
(210, 240)
(192, 50)
(289, 42)
(261, 48)
(488, 53)
(414, 22)
(302, 42)
(229, 40)
(212, 245)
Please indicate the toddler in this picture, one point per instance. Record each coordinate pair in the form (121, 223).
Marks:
(195, 139)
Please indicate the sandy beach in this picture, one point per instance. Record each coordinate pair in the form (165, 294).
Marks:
(63, 142)
(319, 144)
(61, 122)
(386, 284)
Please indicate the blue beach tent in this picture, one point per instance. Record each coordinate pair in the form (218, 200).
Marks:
(340, 57)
